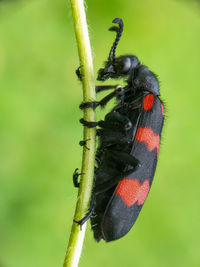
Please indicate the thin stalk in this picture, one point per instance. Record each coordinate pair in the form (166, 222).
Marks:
(83, 201)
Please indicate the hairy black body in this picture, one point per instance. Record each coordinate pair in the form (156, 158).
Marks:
(129, 139)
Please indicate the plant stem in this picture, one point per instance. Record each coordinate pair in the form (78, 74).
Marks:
(85, 189)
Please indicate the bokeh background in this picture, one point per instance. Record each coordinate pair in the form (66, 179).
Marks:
(39, 131)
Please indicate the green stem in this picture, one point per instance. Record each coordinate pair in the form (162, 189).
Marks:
(85, 189)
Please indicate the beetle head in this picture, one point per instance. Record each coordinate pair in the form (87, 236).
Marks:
(120, 66)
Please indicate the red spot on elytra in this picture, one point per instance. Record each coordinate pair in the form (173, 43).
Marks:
(162, 110)
(131, 191)
(148, 102)
(147, 136)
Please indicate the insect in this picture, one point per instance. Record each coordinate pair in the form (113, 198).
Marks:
(129, 139)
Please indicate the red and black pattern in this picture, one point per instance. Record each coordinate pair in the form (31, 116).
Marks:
(131, 192)
(129, 141)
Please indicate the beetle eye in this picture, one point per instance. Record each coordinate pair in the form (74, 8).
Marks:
(126, 65)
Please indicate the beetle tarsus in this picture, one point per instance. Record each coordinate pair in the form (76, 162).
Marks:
(78, 73)
(100, 88)
(89, 124)
(88, 214)
(75, 177)
(92, 104)
(85, 218)
(84, 142)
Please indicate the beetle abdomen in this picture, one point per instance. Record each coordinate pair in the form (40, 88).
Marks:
(131, 192)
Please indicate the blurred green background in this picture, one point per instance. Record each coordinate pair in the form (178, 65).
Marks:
(39, 131)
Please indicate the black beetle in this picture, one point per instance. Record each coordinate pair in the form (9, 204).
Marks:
(129, 139)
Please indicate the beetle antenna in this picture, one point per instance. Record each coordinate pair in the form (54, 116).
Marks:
(119, 31)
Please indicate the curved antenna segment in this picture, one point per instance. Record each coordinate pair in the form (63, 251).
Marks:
(119, 31)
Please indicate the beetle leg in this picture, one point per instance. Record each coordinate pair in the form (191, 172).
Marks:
(92, 104)
(92, 124)
(125, 158)
(115, 120)
(83, 143)
(78, 73)
(120, 93)
(95, 104)
(122, 157)
(75, 178)
(100, 88)
(89, 124)
(89, 213)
